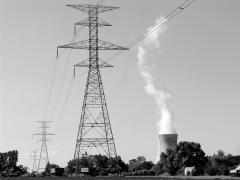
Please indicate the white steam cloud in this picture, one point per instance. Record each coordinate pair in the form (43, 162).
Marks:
(151, 42)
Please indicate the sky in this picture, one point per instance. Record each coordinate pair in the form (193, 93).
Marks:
(197, 63)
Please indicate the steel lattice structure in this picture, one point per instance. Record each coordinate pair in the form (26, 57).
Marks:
(34, 164)
(95, 133)
(43, 158)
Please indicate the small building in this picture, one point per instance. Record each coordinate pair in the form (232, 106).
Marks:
(235, 171)
(189, 171)
(57, 171)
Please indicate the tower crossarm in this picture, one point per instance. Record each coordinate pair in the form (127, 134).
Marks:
(89, 7)
(102, 45)
(44, 134)
(101, 64)
(99, 23)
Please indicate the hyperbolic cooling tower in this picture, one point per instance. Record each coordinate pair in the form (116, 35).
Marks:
(167, 141)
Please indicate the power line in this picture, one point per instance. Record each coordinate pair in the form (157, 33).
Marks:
(50, 89)
(100, 2)
(94, 115)
(52, 83)
(61, 85)
(64, 75)
(167, 18)
(65, 104)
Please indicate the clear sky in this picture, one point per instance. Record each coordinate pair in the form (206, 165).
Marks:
(198, 63)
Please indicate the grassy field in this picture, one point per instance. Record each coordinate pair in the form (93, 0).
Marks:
(127, 178)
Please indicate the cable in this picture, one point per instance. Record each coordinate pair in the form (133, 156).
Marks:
(167, 18)
(64, 76)
(61, 85)
(100, 2)
(65, 104)
(170, 16)
(76, 34)
(50, 89)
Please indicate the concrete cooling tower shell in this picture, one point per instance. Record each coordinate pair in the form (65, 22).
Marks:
(167, 141)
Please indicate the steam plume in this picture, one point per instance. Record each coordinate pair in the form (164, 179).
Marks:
(161, 98)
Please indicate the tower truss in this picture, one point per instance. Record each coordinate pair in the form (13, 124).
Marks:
(95, 134)
(43, 157)
(34, 163)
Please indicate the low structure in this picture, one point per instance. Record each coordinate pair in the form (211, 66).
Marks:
(189, 171)
(235, 171)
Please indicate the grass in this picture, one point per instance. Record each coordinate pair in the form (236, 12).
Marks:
(127, 178)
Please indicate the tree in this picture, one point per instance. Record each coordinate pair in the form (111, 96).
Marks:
(169, 162)
(221, 164)
(71, 166)
(98, 165)
(190, 154)
(8, 160)
(140, 166)
(50, 166)
(3, 161)
(8, 163)
(220, 153)
(12, 159)
(116, 165)
(186, 154)
(20, 170)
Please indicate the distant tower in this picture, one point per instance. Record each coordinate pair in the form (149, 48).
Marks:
(34, 165)
(95, 133)
(43, 158)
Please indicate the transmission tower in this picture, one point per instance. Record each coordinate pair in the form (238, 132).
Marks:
(34, 165)
(43, 157)
(95, 133)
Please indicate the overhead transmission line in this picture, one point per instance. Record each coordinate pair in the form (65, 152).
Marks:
(99, 2)
(167, 18)
(64, 104)
(53, 77)
(52, 81)
(55, 69)
(67, 64)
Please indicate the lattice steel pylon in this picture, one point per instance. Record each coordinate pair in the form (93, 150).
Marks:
(43, 157)
(95, 133)
(34, 163)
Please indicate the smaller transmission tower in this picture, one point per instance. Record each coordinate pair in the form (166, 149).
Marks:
(34, 165)
(43, 158)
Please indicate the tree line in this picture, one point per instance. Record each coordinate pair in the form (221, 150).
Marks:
(172, 162)
(8, 164)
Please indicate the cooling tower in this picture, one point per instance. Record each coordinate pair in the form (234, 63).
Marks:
(167, 141)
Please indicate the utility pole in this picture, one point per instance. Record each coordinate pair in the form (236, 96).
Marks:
(43, 157)
(95, 133)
